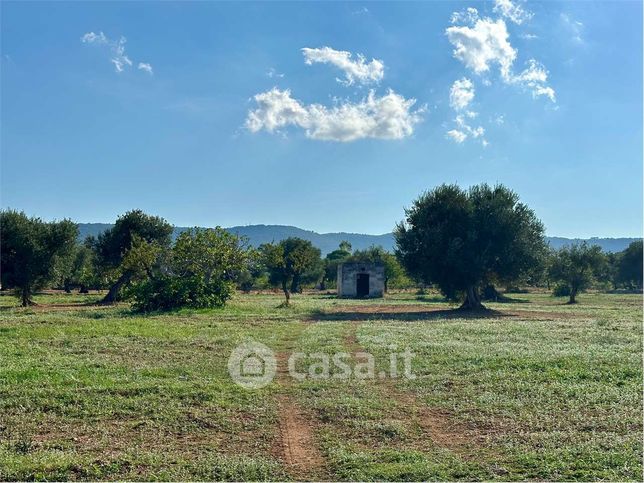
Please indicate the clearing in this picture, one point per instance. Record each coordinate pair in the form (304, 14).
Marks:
(534, 390)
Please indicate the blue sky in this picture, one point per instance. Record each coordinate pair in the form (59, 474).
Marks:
(548, 101)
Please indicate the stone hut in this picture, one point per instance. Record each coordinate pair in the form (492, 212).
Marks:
(356, 279)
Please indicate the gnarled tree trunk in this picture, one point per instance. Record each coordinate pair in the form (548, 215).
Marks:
(25, 296)
(113, 293)
(287, 294)
(573, 295)
(472, 299)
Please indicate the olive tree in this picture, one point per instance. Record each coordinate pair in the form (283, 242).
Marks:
(577, 267)
(288, 261)
(30, 250)
(333, 259)
(113, 245)
(460, 239)
(629, 266)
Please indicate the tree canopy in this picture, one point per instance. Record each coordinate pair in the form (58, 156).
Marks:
(199, 271)
(288, 261)
(460, 239)
(629, 266)
(30, 249)
(333, 259)
(577, 266)
(113, 245)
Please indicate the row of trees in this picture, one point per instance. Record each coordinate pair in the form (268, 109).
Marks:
(137, 259)
(464, 242)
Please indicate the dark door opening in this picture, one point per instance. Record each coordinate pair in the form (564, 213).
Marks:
(362, 285)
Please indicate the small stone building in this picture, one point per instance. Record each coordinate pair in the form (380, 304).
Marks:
(360, 280)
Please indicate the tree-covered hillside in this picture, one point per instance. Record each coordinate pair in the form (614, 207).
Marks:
(327, 242)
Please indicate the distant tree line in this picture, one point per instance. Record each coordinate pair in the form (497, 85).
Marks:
(466, 243)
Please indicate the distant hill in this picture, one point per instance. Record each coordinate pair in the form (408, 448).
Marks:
(327, 242)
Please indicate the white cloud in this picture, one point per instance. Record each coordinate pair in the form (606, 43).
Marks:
(456, 136)
(512, 11)
(486, 44)
(91, 37)
(475, 132)
(468, 16)
(535, 79)
(482, 45)
(386, 117)
(461, 94)
(354, 70)
(145, 67)
(529, 36)
(464, 130)
(119, 58)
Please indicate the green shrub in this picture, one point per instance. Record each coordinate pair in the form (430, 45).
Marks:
(199, 271)
(172, 292)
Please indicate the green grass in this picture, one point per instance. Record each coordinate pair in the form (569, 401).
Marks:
(539, 390)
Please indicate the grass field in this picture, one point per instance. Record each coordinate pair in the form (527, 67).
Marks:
(535, 390)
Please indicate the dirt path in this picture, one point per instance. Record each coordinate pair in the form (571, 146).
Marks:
(437, 427)
(297, 447)
(299, 450)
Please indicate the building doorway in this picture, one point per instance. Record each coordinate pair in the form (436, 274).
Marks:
(362, 285)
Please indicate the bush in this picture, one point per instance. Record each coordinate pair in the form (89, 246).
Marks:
(561, 290)
(199, 271)
(170, 292)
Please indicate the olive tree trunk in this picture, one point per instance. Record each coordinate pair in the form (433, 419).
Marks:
(573, 294)
(113, 293)
(287, 294)
(25, 297)
(472, 299)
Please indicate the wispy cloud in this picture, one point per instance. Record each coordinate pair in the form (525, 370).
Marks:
(461, 94)
(512, 11)
(145, 67)
(273, 74)
(535, 79)
(118, 57)
(485, 43)
(456, 135)
(575, 27)
(388, 117)
(358, 70)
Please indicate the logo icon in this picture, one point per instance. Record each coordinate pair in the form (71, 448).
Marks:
(252, 365)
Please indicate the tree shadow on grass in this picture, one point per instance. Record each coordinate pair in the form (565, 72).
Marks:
(507, 300)
(48, 306)
(400, 314)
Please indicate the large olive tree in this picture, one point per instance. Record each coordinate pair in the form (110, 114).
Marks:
(113, 245)
(30, 250)
(460, 239)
